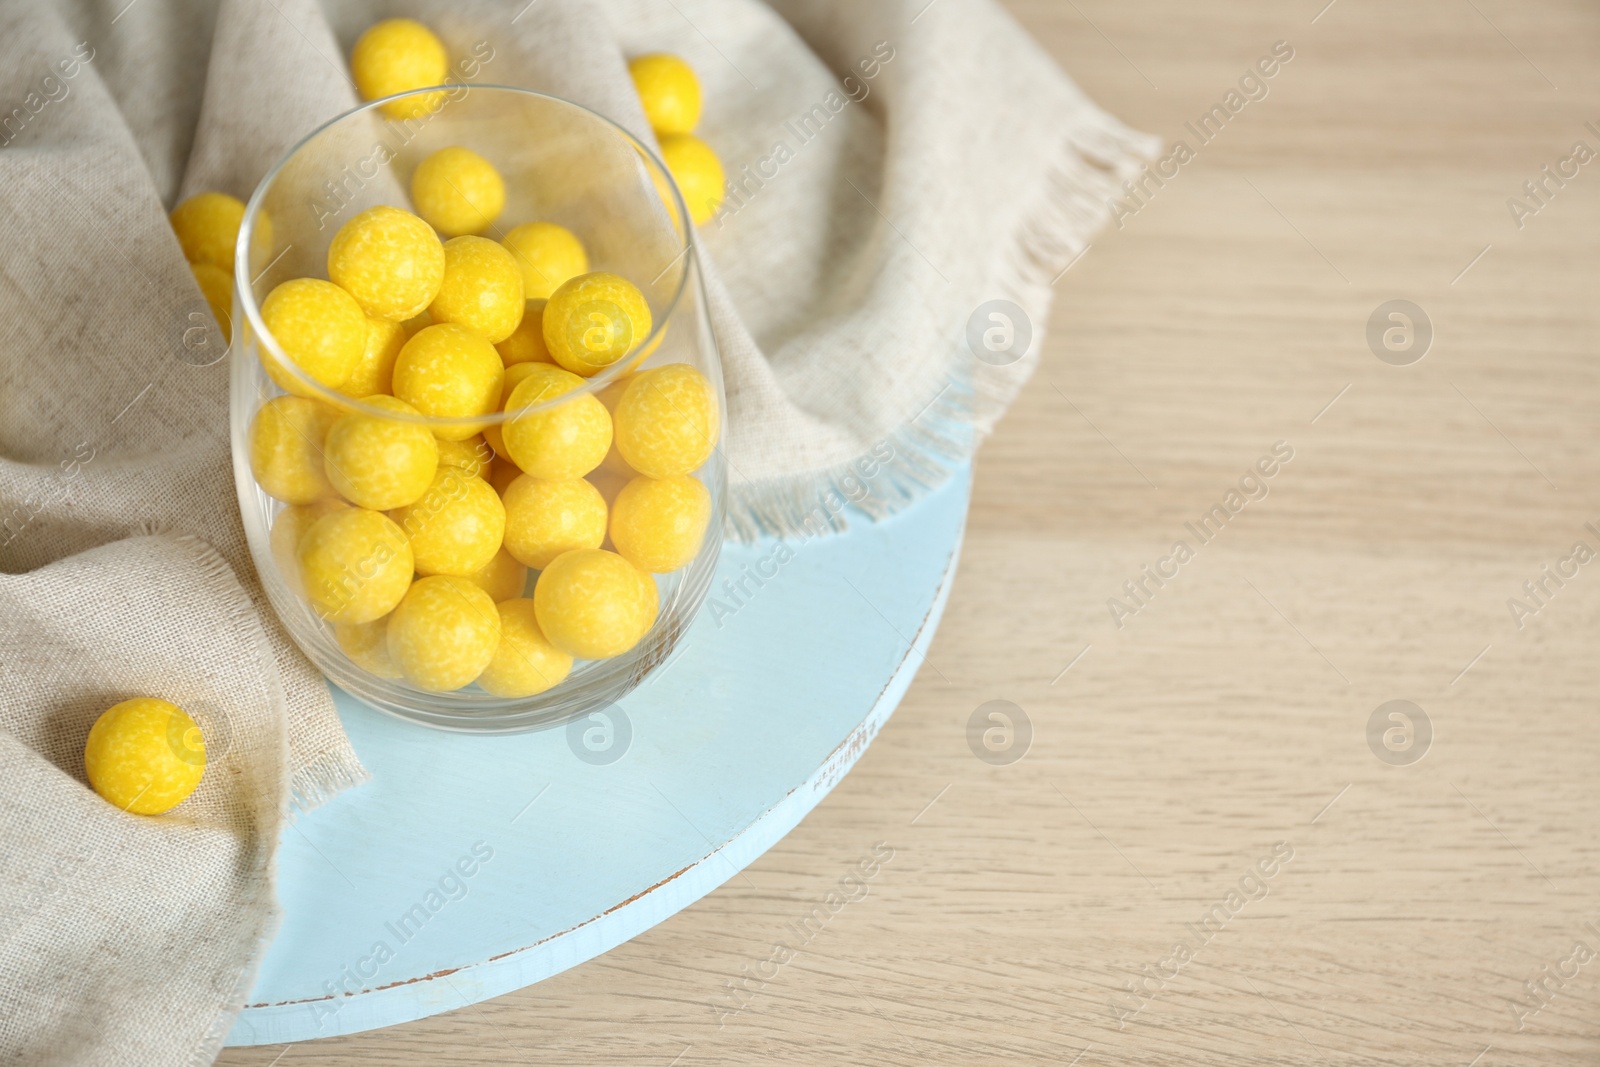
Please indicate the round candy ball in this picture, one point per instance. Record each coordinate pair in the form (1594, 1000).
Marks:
(287, 530)
(659, 524)
(356, 564)
(207, 226)
(547, 254)
(367, 645)
(374, 374)
(594, 320)
(450, 372)
(698, 172)
(566, 441)
(515, 373)
(286, 445)
(145, 755)
(397, 56)
(503, 577)
(444, 633)
(546, 518)
(525, 663)
(457, 526)
(482, 289)
(217, 287)
(319, 327)
(377, 462)
(458, 191)
(594, 604)
(472, 455)
(389, 260)
(526, 343)
(502, 472)
(669, 92)
(667, 421)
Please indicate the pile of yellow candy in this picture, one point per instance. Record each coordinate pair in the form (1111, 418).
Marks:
(207, 227)
(414, 540)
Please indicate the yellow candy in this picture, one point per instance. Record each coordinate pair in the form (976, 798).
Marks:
(389, 260)
(320, 327)
(669, 92)
(593, 321)
(444, 633)
(286, 442)
(614, 465)
(547, 254)
(659, 524)
(357, 565)
(458, 191)
(515, 373)
(380, 463)
(287, 530)
(375, 373)
(416, 323)
(450, 372)
(667, 421)
(566, 441)
(397, 56)
(545, 519)
(594, 604)
(367, 645)
(472, 455)
(217, 287)
(503, 578)
(526, 343)
(525, 663)
(502, 472)
(457, 526)
(207, 225)
(482, 289)
(698, 172)
(145, 755)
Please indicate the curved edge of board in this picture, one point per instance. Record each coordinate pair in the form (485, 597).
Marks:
(460, 987)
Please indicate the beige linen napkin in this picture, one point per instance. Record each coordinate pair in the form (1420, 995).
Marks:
(894, 166)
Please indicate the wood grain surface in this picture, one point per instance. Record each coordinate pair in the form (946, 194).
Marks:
(1200, 858)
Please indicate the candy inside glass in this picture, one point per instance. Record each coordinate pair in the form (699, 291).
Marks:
(561, 163)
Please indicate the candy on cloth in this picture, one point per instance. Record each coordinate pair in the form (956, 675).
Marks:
(397, 56)
(145, 755)
(503, 577)
(444, 633)
(217, 287)
(565, 441)
(659, 524)
(525, 663)
(669, 92)
(594, 320)
(389, 260)
(594, 604)
(458, 191)
(526, 343)
(666, 421)
(547, 255)
(320, 327)
(367, 645)
(377, 462)
(456, 527)
(207, 227)
(286, 441)
(356, 565)
(698, 172)
(546, 518)
(482, 289)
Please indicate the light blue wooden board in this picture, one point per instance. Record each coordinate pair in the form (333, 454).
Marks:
(738, 738)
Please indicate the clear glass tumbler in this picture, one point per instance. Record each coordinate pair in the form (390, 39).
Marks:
(560, 163)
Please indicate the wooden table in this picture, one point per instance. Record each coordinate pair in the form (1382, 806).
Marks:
(1215, 774)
